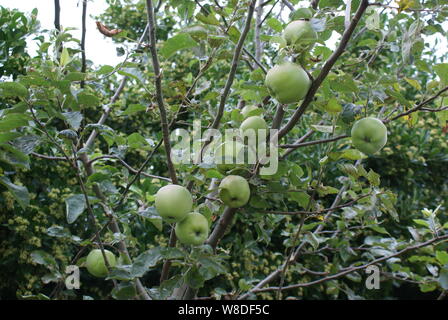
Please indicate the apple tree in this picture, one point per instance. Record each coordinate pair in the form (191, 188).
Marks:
(338, 84)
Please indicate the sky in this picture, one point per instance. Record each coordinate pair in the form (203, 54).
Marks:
(102, 50)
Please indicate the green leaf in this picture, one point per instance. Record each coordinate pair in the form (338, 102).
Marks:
(301, 198)
(275, 24)
(442, 71)
(124, 291)
(133, 108)
(442, 257)
(443, 279)
(87, 99)
(13, 89)
(75, 206)
(75, 76)
(65, 57)
(194, 278)
(74, 119)
(208, 19)
(44, 258)
(13, 120)
(178, 42)
(20, 193)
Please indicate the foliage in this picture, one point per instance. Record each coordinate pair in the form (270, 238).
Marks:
(60, 191)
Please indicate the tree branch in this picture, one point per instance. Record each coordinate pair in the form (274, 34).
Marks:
(325, 70)
(353, 269)
(83, 39)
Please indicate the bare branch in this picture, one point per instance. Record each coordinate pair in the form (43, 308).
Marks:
(235, 59)
(310, 143)
(417, 107)
(443, 238)
(159, 94)
(57, 15)
(83, 39)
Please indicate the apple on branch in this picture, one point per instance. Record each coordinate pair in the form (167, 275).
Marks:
(193, 229)
(173, 202)
(369, 135)
(96, 265)
(234, 191)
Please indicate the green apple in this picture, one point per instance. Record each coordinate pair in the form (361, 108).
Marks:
(193, 230)
(300, 35)
(251, 110)
(234, 191)
(254, 123)
(96, 265)
(369, 135)
(227, 154)
(173, 202)
(287, 82)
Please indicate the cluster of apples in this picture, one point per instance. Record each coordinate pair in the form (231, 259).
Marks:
(174, 204)
(289, 83)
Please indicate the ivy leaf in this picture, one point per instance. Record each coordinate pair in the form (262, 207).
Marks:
(75, 206)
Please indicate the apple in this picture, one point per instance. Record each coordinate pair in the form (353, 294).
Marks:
(234, 191)
(227, 154)
(193, 230)
(251, 110)
(287, 82)
(369, 135)
(173, 202)
(254, 123)
(96, 265)
(300, 35)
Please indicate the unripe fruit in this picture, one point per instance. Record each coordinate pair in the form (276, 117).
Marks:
(300, 34)
(287, 82)
(173, 202)
(369, 135)
(251, 126)
(234, 191)
(96, 265)
(250, 110)
(193, 230)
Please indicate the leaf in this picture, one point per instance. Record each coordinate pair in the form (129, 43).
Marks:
(26, 144)
(443, 279)
(13, 89)
(65, 57)
(44, 258)
(178, 42)
(414, 83)
(87, 99)
(124, 291)
(75, 76)
(442, 71)
(13, 121)
(301, 198)
(208, 19)
(75, 206)
(275, 24)
(20, 193)
(194, 278)
(442, 257)
(73, 118)
(373, 21)
(133, 108)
